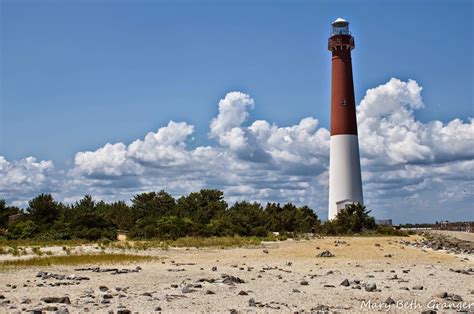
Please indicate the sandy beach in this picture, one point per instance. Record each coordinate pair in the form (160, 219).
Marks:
(284, 276)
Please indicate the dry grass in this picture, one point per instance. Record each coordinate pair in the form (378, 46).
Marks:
(197, 242)
(95, 259)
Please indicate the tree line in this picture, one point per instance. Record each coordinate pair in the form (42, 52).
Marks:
(160, 215)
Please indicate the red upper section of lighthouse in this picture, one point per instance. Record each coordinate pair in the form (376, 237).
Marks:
(343, 113)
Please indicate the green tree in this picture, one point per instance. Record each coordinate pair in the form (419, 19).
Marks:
(202, 206)
(354, 219)
(247, 219)
(43, 210)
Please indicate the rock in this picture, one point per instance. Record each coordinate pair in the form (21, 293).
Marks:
(64, 300)
(229, 280)
(103, 288)
(370, 287)
(377, 244)
(388, 255)
(124, 311)
(107, 296)
(62, 310)
(158, 308)
(390, 301)
(325, 254)
(442, 295)
(357, 287)
(174, 285)
(345, 283)
(429, 312)
(49, 308)
(296, 291)
(456, 298)
(2, 297)
(417, 288)
(25, 301)
(214, 268)
(329, 286)
(187, 289)
(146, 294)
(252, 303)
(304, 283)
(265, 251)
(105, 301)
(242, 292)
(210, 292)
(322, 308)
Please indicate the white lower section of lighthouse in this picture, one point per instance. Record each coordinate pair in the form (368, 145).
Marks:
(345, 182)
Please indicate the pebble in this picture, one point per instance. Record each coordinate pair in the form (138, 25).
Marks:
(345, 283)
(326, 254)
(252, 302)
(64, 300)
(304, 283)
(417, 288)
(390, 301)
(242, 292)
(370, 287)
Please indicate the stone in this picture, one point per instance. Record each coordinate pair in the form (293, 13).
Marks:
(103, 288)
(304, 283)
(210, 292)
(265, 251)
(62, 310)
(214, 268)
(125, 311)
(345, 283)
(107, 296)
(187, 289)
(390, 301)
(325, 254)
(418, 287)
(252, 302)
(158, 308)
(456, 298)
(242, 292)
(442, 295)
(64, 300)
(370, 287)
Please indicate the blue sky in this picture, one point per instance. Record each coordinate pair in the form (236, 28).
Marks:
(76, 75)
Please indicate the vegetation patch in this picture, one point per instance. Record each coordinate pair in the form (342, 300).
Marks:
(93, 259)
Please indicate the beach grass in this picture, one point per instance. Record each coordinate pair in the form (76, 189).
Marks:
(94, 259)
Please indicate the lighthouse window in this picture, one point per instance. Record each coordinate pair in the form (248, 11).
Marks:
(343, 102)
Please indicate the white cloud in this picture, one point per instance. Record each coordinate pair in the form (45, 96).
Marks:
(21, 179)
(406, 163)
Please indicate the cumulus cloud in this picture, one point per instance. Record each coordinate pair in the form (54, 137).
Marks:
(404, 160)
(21, 179)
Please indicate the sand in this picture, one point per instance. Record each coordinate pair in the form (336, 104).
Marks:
(272, 280)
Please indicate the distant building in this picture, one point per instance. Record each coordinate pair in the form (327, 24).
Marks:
(14, 217)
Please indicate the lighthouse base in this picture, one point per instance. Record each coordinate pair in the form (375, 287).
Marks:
(345, 182)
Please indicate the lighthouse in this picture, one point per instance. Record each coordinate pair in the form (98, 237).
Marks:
(345, 183)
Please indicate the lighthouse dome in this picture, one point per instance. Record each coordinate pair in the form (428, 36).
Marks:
(340, 27)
